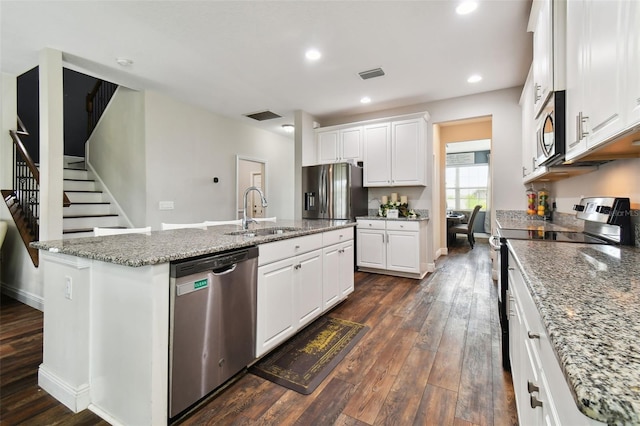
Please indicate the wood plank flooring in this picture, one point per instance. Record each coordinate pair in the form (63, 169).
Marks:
(431, 357)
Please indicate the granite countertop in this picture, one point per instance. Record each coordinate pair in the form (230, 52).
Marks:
(588, 296)
(165, 246)
(532, 224)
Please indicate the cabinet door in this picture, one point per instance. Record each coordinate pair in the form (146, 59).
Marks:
(351, 144)
(377, 155)
(403, 251)
(346, 269)
(605, 71)
(543, 55)
(408, 153)
(308, 271)
(371, 248)
(331, 276)
(528, 127)
(632, 103)
(328, 143)
(575, 66)
(276, 316)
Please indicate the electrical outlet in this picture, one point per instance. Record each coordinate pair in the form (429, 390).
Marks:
(68, 288)
(165, 205)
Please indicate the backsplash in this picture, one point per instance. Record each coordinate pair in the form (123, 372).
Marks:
(566, 219)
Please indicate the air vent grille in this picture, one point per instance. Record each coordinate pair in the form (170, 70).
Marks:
(263, 115)
(366, 75)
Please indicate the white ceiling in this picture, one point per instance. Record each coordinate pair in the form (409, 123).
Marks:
(239, 57)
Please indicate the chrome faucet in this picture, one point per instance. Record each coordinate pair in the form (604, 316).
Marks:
(245, 220)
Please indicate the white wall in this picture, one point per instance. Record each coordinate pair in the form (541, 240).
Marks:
(618, 178)
(186, 147)
(116, 152)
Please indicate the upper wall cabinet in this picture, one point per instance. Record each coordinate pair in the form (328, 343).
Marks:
(395, 153)
(528, 127)
(603, 73)
(339, 144)
(547, 21)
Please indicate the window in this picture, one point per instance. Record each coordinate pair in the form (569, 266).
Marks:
(466, 185)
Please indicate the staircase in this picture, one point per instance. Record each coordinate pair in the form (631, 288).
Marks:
(89, 207)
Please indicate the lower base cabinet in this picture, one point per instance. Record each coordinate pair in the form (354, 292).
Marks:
(542, 394)
(298, 280)
(393, 247)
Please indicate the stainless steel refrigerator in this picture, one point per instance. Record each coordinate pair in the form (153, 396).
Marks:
(333, 191)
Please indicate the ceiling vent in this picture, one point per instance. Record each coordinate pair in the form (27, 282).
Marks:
(263, 115)
(366, 75)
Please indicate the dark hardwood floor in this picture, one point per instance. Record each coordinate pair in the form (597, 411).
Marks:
(431, 357)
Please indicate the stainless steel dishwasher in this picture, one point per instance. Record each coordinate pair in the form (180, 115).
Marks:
(212, 323)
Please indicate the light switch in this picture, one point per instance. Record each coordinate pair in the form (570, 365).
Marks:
(165, 205)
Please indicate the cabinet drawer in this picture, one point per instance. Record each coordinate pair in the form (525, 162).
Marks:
(270, 252)
(401, 225)
(337, 236)
(371, 224)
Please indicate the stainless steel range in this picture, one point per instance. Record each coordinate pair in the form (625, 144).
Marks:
(607, 220)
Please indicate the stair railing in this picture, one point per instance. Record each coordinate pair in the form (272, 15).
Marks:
(26, 192)
(97, 101)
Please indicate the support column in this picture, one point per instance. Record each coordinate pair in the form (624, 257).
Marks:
(51, 144)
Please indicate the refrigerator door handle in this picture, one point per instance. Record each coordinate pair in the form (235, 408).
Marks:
(323, 189)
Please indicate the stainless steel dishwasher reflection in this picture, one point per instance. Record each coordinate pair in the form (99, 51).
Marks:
(212, 323)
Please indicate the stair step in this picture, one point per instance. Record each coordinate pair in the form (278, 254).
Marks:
(88, 209)
(79, 185)
(80, 174)
(90, 221)
(84, 196)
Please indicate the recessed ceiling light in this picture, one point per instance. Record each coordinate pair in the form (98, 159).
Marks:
(365, 100)
(124, 62)
(289, 128)
(466, 7)
(474, 79)
(313, 54)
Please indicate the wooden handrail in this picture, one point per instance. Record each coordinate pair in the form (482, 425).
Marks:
(23, 152)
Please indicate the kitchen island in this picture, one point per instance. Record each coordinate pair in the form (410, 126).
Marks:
(106, 317)
(586, 298)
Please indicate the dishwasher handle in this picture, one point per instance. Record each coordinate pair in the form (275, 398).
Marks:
(225, 270)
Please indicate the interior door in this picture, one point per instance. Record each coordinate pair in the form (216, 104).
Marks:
(256, 210)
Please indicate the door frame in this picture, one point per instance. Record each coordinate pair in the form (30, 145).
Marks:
(240, 191)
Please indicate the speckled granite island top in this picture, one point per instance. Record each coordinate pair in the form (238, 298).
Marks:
(165, 246)
(408, 219)
(589, 299)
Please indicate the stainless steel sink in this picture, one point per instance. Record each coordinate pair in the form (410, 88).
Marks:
(261, 232)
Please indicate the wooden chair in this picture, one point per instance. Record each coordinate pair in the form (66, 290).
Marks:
(223, 222)
(166, 226)
(466, 228)
(101, 232)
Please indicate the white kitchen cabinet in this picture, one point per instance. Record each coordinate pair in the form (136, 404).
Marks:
(377, 154)
(276, 312)
(541, 391)
(395, 153)
(337, 273)
(308, 284)
(543, 54)
(393, 247)
(632, 99)
(600, 102)
(298, 280)
(528, 127)
(338, 145)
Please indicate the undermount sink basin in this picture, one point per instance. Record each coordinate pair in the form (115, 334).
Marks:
(260, 232)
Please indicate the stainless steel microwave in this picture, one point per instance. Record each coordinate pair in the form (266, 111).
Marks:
(550, 131)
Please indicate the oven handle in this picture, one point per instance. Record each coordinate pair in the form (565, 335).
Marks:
(494, 242)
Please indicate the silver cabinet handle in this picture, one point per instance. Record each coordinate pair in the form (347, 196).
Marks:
(532, 387)
(583, 120)
(298, 266)
(535, 402)
(533, 335)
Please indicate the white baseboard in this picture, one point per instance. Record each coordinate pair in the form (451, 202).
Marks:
(30, 299)
(104, 415)
(76, 399)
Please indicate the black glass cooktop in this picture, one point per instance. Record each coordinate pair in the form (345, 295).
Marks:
(560, 236)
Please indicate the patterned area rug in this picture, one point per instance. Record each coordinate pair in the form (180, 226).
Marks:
(303, 362)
